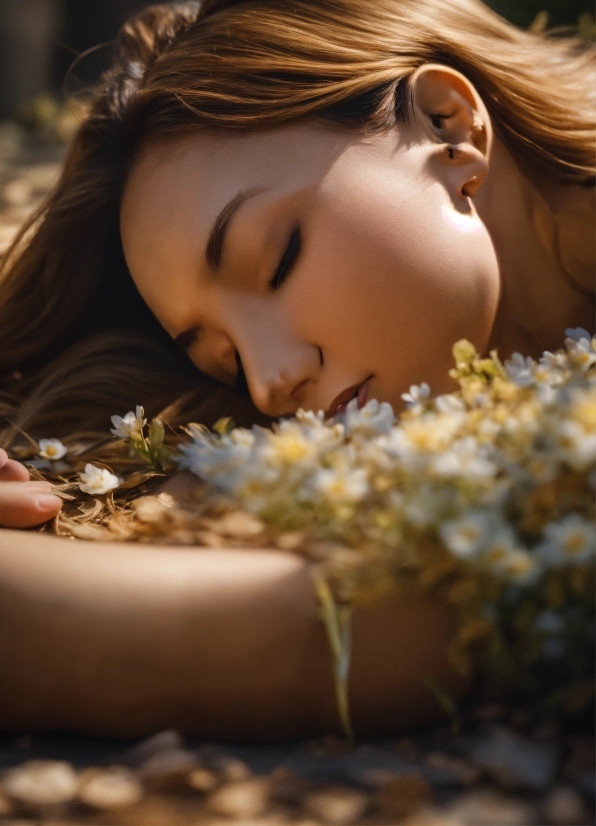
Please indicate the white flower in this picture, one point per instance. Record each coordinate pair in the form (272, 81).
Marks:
(448, 403)
(466, 457)
(97, 480)
(570, 541)
(553, 361)
(521, 568)
(220, 461)
(574, 446)
(577, 334)
(519, 370)
(375, 418)
(125, 427)
(310, 418)
(428, 433)
(297, 442)
(51, 449)
(504, 556)
(464, 537)
(580, 346)
(341, 484)
(417, 395)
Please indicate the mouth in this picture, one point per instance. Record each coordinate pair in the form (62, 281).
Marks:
(340, 402)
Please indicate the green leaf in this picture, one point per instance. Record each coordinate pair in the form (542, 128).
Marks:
(156, 434)
(224, 426)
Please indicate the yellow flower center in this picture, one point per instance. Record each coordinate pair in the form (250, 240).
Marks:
(497, 553)
(519, 565)
(291, 448)
(574, 542)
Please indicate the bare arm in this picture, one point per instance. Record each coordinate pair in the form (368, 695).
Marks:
(117, 639)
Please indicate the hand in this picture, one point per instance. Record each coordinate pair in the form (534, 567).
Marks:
(24, 503)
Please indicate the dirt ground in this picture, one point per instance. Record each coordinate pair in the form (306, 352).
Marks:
(497, 765)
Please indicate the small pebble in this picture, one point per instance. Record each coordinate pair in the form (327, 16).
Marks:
(41, 782)
(168, 739)
(513, 761)
(111, 788)
(168, 769)
(466, 772)
(403, 796)
(231, 768)
(240, 525)
(488, 808)
(565, 807)
(202, 780)
(240, 799)
(287, 787)
(336, 806)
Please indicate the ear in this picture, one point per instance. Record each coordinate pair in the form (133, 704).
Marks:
(447, 105)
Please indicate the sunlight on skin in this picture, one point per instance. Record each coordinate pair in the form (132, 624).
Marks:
(24, 503)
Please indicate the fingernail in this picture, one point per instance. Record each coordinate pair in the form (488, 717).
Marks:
(48, 503)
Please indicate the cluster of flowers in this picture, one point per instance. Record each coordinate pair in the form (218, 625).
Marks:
(484, 496)
(98, 481)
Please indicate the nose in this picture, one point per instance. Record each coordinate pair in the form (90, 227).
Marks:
(279, 377)
(281, 370)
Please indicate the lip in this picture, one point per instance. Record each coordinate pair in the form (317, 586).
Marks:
(340, 402)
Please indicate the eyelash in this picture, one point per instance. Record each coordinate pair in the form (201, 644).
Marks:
(288, 260)
(284, 268)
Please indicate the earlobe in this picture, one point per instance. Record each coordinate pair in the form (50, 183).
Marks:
(447, 105)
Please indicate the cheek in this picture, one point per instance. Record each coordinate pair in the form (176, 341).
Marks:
(390, 286)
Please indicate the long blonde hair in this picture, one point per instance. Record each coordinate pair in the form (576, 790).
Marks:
(76, 341)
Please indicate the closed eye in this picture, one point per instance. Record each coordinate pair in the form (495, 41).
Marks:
(287, 262)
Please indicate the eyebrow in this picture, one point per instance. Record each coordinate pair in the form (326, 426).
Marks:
(217, 235)
(214, 250)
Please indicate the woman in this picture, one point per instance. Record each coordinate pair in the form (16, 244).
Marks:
(313, 201)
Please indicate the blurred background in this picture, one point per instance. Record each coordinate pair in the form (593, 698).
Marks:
(40, 40)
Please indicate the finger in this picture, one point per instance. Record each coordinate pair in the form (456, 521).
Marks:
(22, 506)
(12, 471)
(3, 457)
(37, 485)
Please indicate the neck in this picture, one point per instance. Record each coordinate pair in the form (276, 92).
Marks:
(536, 303)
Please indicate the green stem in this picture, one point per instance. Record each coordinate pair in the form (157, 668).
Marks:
(337, 621)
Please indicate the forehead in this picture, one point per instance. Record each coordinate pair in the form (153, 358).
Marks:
(202, 172)
(176, 190)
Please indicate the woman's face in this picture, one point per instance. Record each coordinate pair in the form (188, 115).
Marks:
(332, 264)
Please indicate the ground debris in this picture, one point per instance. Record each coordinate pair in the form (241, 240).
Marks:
(429, 778)
(513, 761)
(111, 788)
